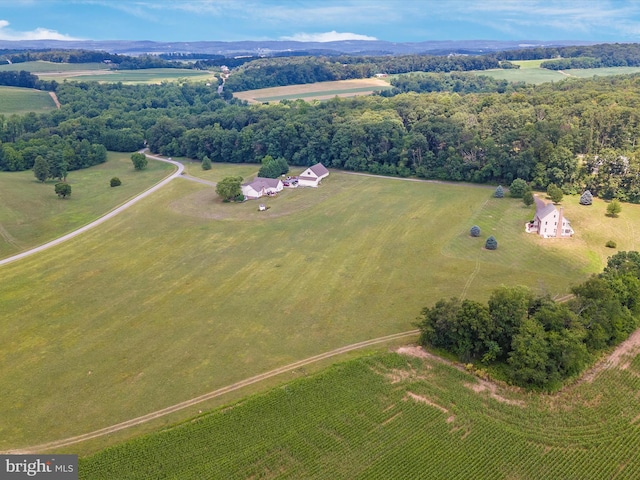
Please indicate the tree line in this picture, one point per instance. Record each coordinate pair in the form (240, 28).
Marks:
(274, 72)
(537, 341)
(124, 62)
(576, 134)
(25, 79)
(606, 54)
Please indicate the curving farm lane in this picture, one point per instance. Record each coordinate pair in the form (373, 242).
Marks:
(105, 217)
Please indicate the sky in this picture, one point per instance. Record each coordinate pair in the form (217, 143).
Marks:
(321, 20)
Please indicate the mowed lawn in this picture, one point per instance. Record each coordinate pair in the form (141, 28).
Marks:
(32, 214)
(183, 294)
(14, 100)
(394, 416)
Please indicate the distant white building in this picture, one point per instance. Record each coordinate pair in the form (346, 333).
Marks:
(549, 222)
(261, 186)
(311, 176)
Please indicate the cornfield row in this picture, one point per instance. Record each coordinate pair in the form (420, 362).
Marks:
(391, 416)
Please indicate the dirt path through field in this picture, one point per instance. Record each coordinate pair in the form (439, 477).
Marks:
(207, 396)
(104, 218)
(55, 99)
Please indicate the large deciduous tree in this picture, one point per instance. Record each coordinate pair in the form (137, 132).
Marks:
(139, 161)
(229, 188)
(614, 208)
(63, 190)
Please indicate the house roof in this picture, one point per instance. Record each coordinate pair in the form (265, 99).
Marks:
(259, 183)
(542, 212)
(319, 169)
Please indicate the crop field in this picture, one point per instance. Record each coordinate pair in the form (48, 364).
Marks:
(14, 100)
(32, 214)
(526, 64)
(315, 91)
(147, 76)
(399, 416)
(184, 294)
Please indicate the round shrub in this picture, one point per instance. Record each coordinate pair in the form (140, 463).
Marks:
(611, 244)
(115, 182)
(518, 187)
(491, 243)
(475, 231)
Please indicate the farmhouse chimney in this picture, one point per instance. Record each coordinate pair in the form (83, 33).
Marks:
(560, 219)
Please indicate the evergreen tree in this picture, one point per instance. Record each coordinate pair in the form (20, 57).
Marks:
(41, 168)
(527, 198)
(491, 243)
(555, 193)
(586, 198)
(499, 192)
(475, 231)
(206, 163)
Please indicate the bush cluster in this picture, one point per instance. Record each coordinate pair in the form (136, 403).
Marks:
(540, 342)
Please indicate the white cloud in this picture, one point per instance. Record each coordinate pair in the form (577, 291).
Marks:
(332, 36)
(37, 34)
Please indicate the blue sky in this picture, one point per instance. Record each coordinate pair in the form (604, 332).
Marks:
(321, 20)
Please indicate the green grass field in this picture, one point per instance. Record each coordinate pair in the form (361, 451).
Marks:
(14, 100)
(184, 294)
(529, 73)
(396, 416)
(32, 214)
(40, 66)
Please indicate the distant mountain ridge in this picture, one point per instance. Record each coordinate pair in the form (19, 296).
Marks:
(267, 48)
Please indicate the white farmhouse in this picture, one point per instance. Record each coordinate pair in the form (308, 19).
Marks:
(311, 176)
(261, 186)
(549, 221)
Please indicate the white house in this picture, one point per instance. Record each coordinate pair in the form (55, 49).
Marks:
(549, 221)
(311, 176)
(261, 186)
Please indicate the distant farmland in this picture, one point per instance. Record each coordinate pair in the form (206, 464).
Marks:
(529, 73)
(315, 91)
(24, 100)
(100, 72)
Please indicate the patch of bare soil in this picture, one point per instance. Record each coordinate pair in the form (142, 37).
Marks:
(54, 97)
(621, 356)
(419, 352)
(425, 400)
(481, 386)
(492, 388)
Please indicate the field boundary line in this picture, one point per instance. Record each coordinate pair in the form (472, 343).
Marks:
(208, 396)
(108, 215)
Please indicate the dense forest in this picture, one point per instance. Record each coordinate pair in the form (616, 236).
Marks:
(124, 62)
(602, 55)
(537, 341)
(25, 79)
(274, 72)
(576, 133)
